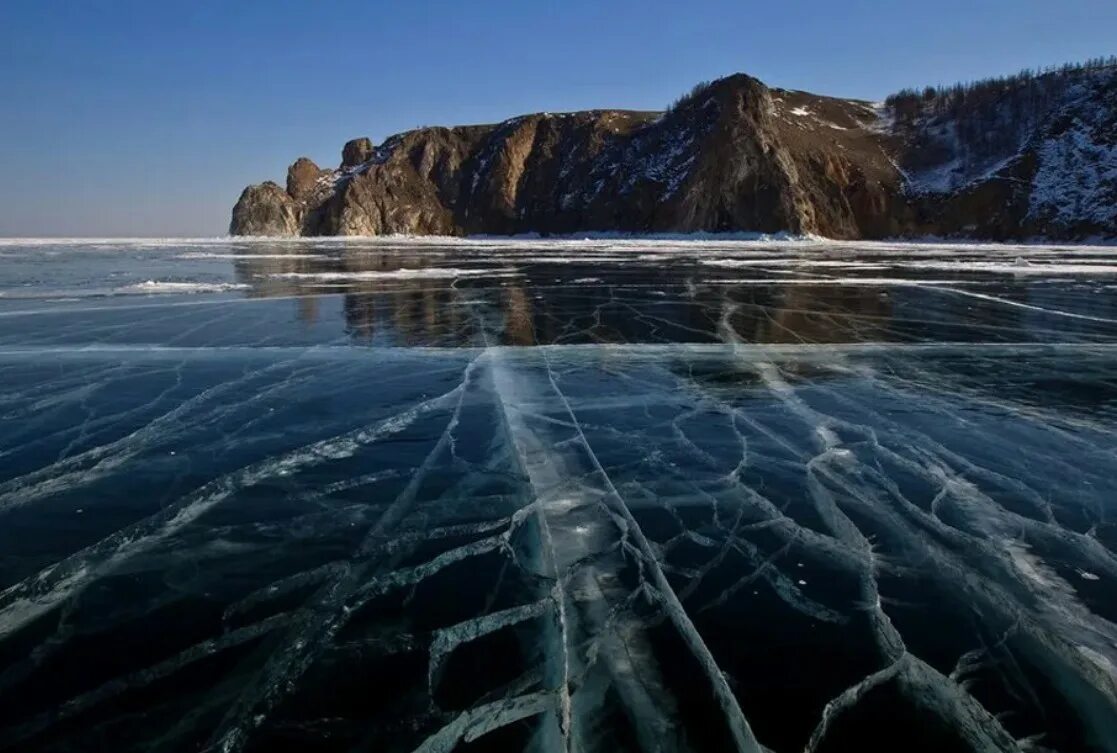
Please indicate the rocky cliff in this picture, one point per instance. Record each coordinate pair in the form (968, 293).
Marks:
(732, 155)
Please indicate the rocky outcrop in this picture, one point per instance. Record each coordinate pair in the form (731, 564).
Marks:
(302, 178)
(734, 155)
(356, 151)
(266, 209)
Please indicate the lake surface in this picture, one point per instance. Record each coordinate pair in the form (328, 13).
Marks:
(557, 496)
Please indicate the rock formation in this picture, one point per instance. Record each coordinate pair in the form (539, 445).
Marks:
(265, 209)
(302, 178)
(356, 151)
(734, 155)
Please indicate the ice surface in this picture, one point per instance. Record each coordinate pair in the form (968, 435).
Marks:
(557, 495)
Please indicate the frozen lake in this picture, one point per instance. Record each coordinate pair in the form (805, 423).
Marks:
(577, 496)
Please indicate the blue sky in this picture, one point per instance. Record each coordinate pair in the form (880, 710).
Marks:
(148, 118)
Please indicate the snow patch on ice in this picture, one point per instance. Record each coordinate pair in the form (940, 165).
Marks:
(1031, 566)
(1020, 268)
(397, 274)
(901, 281)
(162, 286)
(234, 257)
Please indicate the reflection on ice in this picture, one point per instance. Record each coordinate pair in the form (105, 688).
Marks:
(472, 497)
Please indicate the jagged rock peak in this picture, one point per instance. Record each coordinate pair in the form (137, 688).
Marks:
(302, 177)
(265, 209)
(356, 151)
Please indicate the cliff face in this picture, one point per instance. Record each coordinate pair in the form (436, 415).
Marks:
(734, 155)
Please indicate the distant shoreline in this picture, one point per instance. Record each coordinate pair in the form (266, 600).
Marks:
(565, 240)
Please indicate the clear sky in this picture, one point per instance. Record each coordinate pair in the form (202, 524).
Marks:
(148, 118)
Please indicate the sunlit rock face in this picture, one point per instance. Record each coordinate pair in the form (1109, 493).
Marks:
(557, 496)
(266, 209)
(1036, 158)
(356, 151)
(302, 178)
(733, 156)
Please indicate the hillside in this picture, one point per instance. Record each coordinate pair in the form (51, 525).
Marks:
(1031, 155)
(1025, 155)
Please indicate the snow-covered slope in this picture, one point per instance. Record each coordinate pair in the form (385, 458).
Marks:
(1043, 147)
(1075, 183)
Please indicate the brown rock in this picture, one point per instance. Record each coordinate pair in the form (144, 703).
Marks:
(356, 151)
(265, 209)
(302, 178)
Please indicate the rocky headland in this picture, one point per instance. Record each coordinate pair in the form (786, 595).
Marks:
(1033, 155)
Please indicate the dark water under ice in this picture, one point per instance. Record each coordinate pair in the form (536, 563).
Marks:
(557, 496)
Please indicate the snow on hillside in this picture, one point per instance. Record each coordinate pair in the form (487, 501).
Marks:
(964, 136)
(1076, 179)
